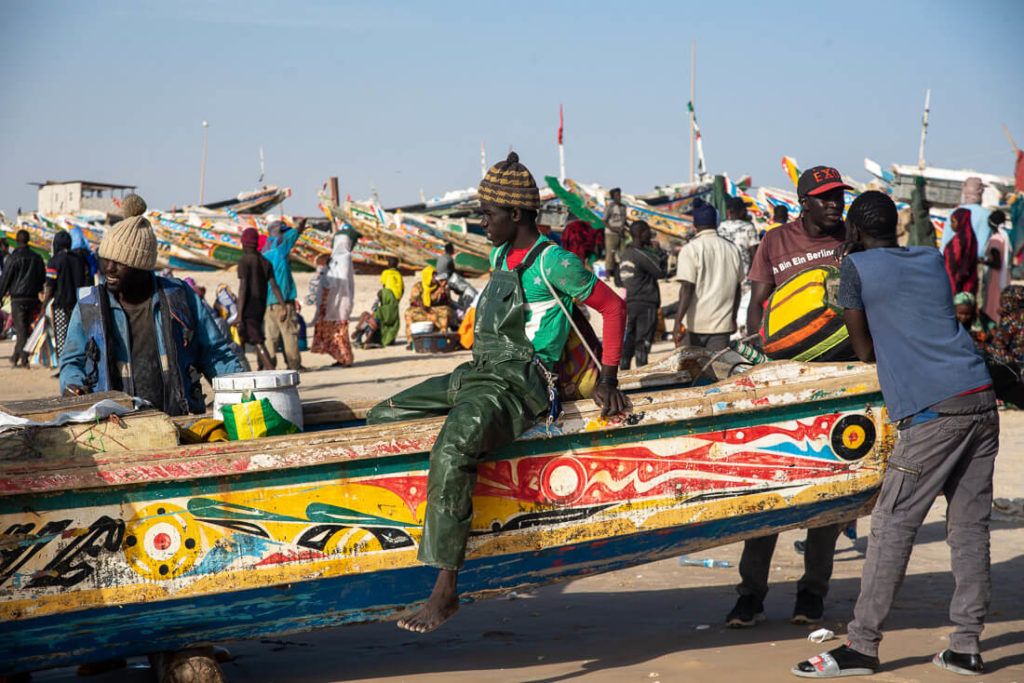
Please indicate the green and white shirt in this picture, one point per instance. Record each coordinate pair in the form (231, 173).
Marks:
(546, 326)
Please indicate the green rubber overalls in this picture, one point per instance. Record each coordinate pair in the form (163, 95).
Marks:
(489, 402)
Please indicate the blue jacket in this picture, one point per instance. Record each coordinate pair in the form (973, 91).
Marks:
(197, 342)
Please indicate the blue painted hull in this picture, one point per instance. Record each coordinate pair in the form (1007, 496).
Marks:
(150, 626)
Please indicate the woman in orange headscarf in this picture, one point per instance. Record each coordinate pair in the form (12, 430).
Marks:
(429, 300)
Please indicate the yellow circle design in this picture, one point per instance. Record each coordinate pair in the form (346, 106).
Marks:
(853, 437)
(162, 541)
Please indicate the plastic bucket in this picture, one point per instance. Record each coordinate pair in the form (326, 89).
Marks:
(280, 387)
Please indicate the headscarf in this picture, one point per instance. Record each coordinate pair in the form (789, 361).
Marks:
(339, 279)
(275, 231)
(1008, 337)
(61, 242)
(581, 239)
(426, 278)
(391, 278)
(251, 238)
(965, 298)
(78, 241)
(961, 253)
(972, 190)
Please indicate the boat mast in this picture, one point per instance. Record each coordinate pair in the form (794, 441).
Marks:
(1012, 143)
(202, 173)
(693, 96)
(561, 147)
(483, 159)
(924, 129)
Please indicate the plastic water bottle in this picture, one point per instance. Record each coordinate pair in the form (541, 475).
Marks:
(706, 562)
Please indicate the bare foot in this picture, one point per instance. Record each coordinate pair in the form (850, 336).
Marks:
(441, 606)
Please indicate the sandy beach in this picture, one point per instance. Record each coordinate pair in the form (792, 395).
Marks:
(655, 622)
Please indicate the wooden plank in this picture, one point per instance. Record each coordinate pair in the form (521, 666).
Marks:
(333, 411)
(314, 413)
(45, 409)
(144, 430)
(767, 387)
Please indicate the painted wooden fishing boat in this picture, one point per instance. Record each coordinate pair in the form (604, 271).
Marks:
(677, 198)
(256, 201)
(35, 244)
(123, 553)
(592, 198)
(412, 244)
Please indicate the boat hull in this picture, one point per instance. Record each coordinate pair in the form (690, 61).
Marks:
(145, 627)
(160, 551)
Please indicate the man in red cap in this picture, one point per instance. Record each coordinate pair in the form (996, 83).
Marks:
(255, 272)
(810, 240)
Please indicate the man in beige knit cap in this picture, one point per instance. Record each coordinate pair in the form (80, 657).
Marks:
(140, 333)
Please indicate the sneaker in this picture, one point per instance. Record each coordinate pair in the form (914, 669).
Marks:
(960, 663)
(809, 608)
(747, 612)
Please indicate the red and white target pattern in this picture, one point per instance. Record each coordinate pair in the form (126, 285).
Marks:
(563, 480)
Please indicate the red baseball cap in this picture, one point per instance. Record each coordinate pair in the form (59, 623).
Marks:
(818, 180)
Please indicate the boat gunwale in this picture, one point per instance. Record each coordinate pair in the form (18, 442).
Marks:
(793, 383)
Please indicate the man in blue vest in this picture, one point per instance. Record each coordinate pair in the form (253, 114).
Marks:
(139, 333)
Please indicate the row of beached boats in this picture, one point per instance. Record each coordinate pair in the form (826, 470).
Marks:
(208, 237)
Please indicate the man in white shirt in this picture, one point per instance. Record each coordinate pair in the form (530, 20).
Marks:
(738, 229)
(710, 271)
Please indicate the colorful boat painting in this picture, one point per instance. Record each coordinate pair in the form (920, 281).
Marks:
(592, 200)
(254, 202)
(119, 554)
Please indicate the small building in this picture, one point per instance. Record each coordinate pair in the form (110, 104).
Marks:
(75, 197)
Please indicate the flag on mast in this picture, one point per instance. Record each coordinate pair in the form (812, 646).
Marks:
(561, 123)
(701, 169)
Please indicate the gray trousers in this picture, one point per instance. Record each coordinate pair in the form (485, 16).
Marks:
(711, 342)
(289, 331)
(614, 244)
(756, 562)
(953, 454)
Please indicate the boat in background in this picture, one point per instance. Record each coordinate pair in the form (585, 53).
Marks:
(255, 202)
(590, 201)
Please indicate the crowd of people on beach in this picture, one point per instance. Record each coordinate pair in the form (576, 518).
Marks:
(947, 343)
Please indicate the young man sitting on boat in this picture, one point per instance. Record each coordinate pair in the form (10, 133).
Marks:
(519, 334)
(899, 309)
(140, 333)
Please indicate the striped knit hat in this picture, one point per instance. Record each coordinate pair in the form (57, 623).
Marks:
(509, 184)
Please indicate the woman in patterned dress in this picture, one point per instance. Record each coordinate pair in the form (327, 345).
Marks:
(330, 334)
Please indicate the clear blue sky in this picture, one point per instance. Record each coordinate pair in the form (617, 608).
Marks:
(400, 95)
